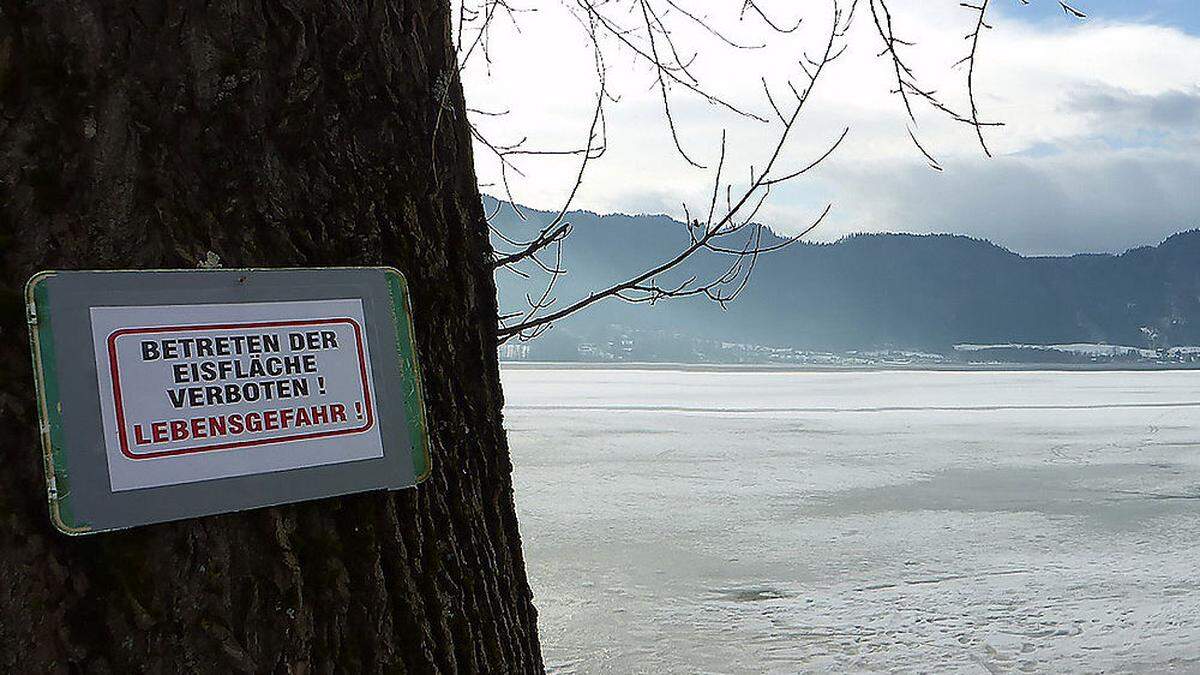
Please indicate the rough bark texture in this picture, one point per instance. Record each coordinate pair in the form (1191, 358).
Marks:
(141, 134)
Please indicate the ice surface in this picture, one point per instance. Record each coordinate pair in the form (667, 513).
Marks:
(678, 521)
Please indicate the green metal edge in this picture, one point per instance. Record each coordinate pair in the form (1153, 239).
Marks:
(50, 404)
(45, 369)
(410, 372)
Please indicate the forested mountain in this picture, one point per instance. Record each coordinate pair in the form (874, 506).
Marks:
(882, 290)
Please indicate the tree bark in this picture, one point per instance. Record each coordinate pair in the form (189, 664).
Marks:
(143, 134)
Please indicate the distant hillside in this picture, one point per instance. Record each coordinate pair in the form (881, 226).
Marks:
(881, 291)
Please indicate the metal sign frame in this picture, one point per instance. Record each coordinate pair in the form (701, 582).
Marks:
(79, 492)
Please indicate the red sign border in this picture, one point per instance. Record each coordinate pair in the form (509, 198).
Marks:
(120, 407)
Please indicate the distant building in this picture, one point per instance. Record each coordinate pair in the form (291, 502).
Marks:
(514, 352)
(626, 344)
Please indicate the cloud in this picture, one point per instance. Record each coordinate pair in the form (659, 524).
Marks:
(1176, 110)
(1072, 202)
(1102, 125)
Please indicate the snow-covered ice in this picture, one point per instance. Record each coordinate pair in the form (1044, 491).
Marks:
(733, 521)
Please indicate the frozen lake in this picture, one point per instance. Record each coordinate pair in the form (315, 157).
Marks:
(749, 521)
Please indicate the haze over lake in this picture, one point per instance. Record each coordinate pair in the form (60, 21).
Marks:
(749, 521)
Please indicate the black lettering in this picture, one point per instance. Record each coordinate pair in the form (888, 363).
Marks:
(204, 347)
(150, 350)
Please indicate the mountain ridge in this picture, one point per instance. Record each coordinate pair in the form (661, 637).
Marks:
(491, 204)
(882, 290)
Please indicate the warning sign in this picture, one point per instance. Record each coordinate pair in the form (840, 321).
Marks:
(198, 392)
(171, 394)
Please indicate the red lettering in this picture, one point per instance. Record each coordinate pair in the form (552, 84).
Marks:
(339, 412)
(234, 424)
(320, 414)
(198, 428)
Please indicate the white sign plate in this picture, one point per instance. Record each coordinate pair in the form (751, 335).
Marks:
(198, 392)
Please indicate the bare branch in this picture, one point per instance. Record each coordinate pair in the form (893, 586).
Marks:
(728, 232)
(644, 287)
(909, 89)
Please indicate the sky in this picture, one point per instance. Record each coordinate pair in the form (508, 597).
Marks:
(1099, 149)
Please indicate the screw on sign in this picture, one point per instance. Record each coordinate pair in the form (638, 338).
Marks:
(220, 390)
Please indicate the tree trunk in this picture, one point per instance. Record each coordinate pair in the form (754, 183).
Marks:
(143, 134)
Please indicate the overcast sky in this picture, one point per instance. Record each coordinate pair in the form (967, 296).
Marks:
(1100, 150)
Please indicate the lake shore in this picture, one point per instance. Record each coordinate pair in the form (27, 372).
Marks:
(815, 368)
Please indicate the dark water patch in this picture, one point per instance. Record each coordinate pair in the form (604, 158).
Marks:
(751, 594)
(1113, 496)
